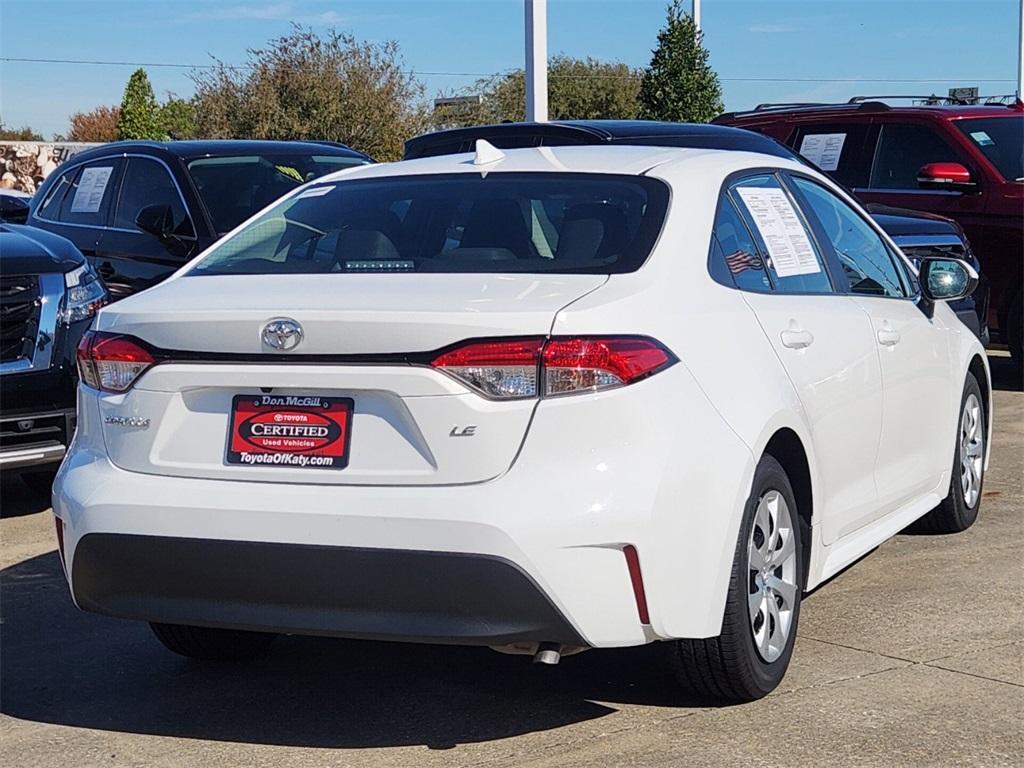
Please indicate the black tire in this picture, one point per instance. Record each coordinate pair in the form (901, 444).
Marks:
(40, 483)
(954, 514)
(729, 667)
(212, 644)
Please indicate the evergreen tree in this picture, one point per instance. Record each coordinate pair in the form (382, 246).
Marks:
(140, 114)
(680, 85)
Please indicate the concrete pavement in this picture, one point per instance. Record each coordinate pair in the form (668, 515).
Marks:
(913, 657)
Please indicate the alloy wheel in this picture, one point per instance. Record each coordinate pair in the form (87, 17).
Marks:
(972, 441)
(772, 570)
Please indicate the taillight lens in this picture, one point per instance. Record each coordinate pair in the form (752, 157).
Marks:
(499, 369)
(111, 362)
(517, 368)
(587, 365)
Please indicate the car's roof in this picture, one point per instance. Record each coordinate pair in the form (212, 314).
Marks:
(610, 159)
(774, 112)
(594, 132)
(189, 149)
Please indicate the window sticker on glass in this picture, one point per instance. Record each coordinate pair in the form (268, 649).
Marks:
(982, 138)
(91, 186)
(823, 149)
(783, 233)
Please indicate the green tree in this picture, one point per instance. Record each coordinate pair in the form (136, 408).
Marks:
(578, 89)
(307, 86)
(680, 85)
(140, 113)
(178, 118)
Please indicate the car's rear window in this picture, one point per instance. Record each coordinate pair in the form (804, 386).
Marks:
(234, 187)
(1001, 139)
(494, 222)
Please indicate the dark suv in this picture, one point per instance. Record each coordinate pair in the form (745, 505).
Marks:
(964, 162)
(140, 210)
(48, 296)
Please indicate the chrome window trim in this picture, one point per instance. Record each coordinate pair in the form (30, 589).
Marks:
(104, 227)
(51, 294)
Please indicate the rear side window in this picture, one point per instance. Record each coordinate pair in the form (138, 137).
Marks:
(50, 208)
(782, 235)
(902, 149)
(91, 194)
(836, 148)
(147, 182)
(501, 222)
(736, 260)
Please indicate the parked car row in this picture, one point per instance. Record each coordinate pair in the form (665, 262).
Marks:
(964, 162)
(646, 384)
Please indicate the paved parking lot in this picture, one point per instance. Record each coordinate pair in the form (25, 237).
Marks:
(914, 656)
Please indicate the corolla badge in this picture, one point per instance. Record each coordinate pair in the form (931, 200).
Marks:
(282, 333)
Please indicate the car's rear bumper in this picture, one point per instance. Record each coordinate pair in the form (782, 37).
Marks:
(382, 594)
(550, 531)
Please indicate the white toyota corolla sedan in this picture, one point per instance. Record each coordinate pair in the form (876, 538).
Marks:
(541, 399)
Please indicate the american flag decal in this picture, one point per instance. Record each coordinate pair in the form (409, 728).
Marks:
(741, 261)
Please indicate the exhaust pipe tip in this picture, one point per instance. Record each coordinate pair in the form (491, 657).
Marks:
(548, 653)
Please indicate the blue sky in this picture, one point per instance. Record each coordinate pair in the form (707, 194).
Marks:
(940, 43)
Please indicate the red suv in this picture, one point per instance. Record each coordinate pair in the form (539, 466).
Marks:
(964, 162)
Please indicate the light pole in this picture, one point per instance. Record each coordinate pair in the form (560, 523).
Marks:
(1020, 52)
(537, 60)
(695, 4)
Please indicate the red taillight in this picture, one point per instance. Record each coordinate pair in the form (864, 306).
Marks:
(514, 368)
(502, 369)
(586, 364)
(110, 362)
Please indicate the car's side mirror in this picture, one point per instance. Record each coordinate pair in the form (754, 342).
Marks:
(944, 279)
(13, 209)
(156, 220)
(949, 176)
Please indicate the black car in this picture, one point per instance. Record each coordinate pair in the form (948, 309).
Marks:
(925, 234)
(14, 206)
(48, 296)
(918, 234)
(141, 210)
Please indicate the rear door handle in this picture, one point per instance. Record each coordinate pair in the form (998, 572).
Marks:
(887, 337)
(796, 339)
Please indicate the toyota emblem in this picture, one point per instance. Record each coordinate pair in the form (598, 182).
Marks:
(282, 333)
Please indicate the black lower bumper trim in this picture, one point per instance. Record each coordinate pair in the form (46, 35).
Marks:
(384, 594)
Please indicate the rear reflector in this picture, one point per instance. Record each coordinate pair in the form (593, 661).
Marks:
(111, 362)
(517, 368)
(633, 564)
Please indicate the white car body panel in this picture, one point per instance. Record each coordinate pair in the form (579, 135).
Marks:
(556, 486)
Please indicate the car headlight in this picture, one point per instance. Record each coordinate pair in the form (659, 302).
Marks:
(83, 296)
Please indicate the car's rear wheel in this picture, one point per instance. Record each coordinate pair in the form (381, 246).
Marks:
(959, 509)
(212, 644)
(749, 658)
